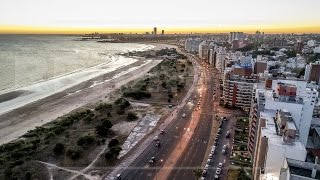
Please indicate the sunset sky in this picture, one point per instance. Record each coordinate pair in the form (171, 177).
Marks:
(79, 16)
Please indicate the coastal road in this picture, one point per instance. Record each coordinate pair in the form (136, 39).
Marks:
(195, 152)
(140, 168)
(174, 136)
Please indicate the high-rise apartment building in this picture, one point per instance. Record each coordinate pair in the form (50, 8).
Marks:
(221, 55)
(236, 36)
(312, 72)
(155, 30)
(292, 95)
(238, 84)
(277, 139)
(192, 45)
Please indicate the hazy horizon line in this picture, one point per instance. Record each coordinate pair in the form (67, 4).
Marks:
(21, 29)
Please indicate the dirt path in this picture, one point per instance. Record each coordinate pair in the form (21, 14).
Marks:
(69, 170)
(84, 170)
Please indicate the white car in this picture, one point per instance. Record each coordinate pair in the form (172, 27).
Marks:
(212, 152)
(220, 165)
(223, 151)
(210, 156)
(156, 138)
(213, 148)
(206, 167)
(208, 161)
(224, 147)
(183, 115)
(216, 176)
(218, 171)
(204, 173)
(152, 160)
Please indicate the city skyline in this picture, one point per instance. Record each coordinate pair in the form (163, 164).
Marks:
(139, 16)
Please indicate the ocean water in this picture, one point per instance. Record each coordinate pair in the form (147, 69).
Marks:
(30, 59)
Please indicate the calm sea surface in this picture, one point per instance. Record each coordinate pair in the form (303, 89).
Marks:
(28, 59)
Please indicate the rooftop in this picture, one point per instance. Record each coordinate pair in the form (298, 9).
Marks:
(302, 168)
(277, 149)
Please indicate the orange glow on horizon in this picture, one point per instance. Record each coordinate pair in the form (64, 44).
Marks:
(9, 29)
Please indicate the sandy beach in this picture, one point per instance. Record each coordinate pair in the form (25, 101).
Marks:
(33, 113)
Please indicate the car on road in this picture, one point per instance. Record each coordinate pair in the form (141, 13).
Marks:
(162, 132)
(210, 156)
(156, 138)
(220, 165)
(228, 134)
(224, 147)
(204, 173)
(225, 118)
(118, 177)
(206, 167)
(208, 161)
(223, 151)
(152, 160)
(158, 144)
(183, 115)
(216, 176)
(218, 171)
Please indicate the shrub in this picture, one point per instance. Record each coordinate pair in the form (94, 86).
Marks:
(131, 116)
(113, 143)
(57, 129)
(108, 155)
(49, 135)
(28, 176)
(107, 124)
(85, 141)
(58, 149)
(103, 106)
(87, 119)
(73, 154)
(136, 94)
(115, 150)
(102, 131)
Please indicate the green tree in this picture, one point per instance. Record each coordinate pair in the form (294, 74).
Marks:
(113, 143)
(131, 116)
(108, 155)
(58, 149)
(197, 173)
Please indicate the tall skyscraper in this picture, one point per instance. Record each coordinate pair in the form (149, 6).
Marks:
(155, 30)
(162, 32)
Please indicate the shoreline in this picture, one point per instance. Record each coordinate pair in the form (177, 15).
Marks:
(17, 122)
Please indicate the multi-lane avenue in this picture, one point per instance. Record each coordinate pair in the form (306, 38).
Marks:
(186, 142)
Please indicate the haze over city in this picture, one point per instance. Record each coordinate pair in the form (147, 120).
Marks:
(74, 16)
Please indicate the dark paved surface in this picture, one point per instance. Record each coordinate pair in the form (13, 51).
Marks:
(194, 154)
(141, 169)
(197, 147)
